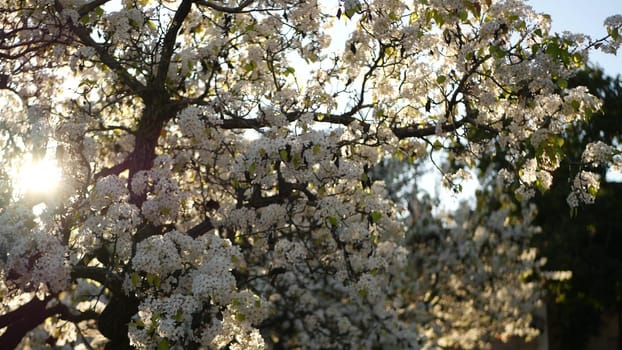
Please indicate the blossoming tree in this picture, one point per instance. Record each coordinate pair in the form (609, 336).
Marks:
(216, 155)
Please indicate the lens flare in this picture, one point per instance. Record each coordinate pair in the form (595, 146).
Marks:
(38, 177)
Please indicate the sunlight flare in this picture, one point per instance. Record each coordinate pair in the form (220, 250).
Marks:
(38, 177)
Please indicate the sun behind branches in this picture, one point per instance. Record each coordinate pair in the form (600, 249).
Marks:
(37, 177)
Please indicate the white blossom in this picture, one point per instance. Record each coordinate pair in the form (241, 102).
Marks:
(584, 188)
(597, 152)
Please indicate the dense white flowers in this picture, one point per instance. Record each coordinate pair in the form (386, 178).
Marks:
(157, 255)
(614, 29)
(528, 172)
(108, 190)
(37, 260)
(584, 188)
(597, 152)
(163, 318)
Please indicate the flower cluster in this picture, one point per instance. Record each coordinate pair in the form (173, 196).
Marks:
(164, 196)
(584, 188)
(37, 260)
(597, 153)
(108, 190)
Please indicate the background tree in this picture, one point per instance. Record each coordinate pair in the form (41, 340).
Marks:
(216, 189)
(582, 242)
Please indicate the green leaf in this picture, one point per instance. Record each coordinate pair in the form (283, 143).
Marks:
(284, 155)
(575, 105)
(179, 315)
(157, 281)
(316, 149)
(552, 49)
(437, 145)
(135, 278)
(364, 177)
(249, 67)
(593, 191)
(438, 18)
(238, 239)
(463, 15)
(375, 216)
(441, 79)
(296, 161)
(399, 155)
(333, 220)
(577, 59)
(551, 147)
(562, 83)
(164, 345)
(351, 7)
(496, 51)
(289, 70)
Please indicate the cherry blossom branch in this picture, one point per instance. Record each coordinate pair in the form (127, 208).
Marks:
(88, 7)
(238, 9)
(40, 36)
(418, 132)
(168, 44)
(347, 119)
(201, 228)
(106, 277)
(114, 170)
(28, 316)
(103, 127)
(102, 52)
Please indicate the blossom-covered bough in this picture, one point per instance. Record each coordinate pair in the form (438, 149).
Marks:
(216, 159)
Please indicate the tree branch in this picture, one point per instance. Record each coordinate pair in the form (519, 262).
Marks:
(88, 7)
(28, 316)
(347, 118)
(409, 131)
(114, 170)
(106, 277)
(105, 57)
(168, 44)
(238, 9)
(200, 228)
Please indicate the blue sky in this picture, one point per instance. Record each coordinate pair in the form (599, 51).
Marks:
(584, 16)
